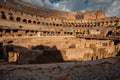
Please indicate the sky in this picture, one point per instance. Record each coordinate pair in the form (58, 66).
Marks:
(111, 7)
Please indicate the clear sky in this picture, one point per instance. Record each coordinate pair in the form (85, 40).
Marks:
(111, 7)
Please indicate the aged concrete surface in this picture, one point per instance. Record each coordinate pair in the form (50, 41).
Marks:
(106, 69)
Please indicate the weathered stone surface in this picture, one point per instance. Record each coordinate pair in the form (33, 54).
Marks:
(33, 35)
(106, 69)
(77, 54)
(56, 49)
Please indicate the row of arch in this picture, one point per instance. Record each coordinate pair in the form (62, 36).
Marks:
(64, 24)
(16, 32)
(81, 33)
(29, 21)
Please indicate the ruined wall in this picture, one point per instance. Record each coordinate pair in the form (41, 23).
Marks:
(94, 15)
(91, 34)
(59, 49)
(26, 24)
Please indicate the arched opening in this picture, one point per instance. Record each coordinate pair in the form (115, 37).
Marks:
(27, 31)
(109, 33)
(3, 15)
(57, 24)
(95, 25)
(1, 30)
(60, 24)
(53, 24)
(88, 25)
(42, 23)
(7, 31)
(29, 21)
(18, 19)
(71, 33)
(58, 33)
(11, 16)
(50, 24)
(19, 35)
(24, 20)
(32, 31)
(1, 51)
(64, 32)
(15, 30)
(116, 42)
(98, 23)
(117, 33)
(82, 25)
(34, 22)
(111, 22)
(47, 23)
(92, 58)
(38, 22)
(20, 26)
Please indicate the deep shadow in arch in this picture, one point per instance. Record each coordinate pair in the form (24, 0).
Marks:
(110, 33)
(3, 15)
(18, 19)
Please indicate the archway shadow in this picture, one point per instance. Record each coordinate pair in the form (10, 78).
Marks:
(39, 54)
(50, 54)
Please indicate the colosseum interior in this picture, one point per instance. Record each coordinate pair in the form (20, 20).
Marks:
(46, 44)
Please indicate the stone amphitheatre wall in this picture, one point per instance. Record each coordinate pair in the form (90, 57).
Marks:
(29, 8)
(30, 24)
(60, 42)
(25, 26)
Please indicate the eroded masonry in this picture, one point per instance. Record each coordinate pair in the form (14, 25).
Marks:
(32, 34)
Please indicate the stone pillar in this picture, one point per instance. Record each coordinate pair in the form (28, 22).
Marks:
(12, 57)
(38, 34)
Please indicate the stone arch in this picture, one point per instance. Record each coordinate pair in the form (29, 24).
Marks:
(38, 22)
(24, 20)
(1, 30)
(15, 30)
(29, 21)
(47, 23)
(7, 31)
(57, 24)
(3, 15)
(118, 33)
(109, 33)
(50, 24)
(34, 22)
(60, 24)
(102, 23)
(42, 23)
(98, 23)
(11, 16)
(88, 25)
(53, 24)
(18, 19)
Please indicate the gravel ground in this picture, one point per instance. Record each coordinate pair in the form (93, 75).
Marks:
(105, 69)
